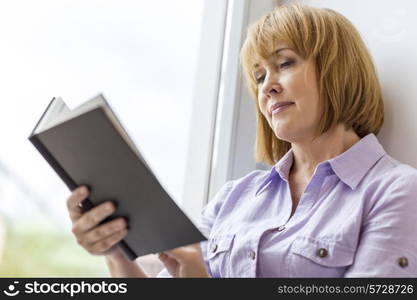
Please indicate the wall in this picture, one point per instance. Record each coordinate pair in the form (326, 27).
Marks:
(388, 28)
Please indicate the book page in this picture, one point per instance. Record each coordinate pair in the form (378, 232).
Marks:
(67, 114)
(58, 113)
(56, 109)
(122, 131)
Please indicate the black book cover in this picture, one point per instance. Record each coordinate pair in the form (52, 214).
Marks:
(87, 149)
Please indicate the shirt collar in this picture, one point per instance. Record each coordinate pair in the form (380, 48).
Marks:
(350, 166)
(282, 168)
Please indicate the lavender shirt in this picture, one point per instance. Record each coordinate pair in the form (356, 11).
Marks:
(356, 218)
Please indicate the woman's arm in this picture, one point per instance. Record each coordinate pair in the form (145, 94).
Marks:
(388, 243)
(120, 266)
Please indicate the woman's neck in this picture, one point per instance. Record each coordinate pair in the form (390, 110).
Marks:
(308, 154)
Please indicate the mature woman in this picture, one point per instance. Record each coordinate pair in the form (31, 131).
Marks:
(334, 204)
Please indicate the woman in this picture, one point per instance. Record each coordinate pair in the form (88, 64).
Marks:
(334, 204)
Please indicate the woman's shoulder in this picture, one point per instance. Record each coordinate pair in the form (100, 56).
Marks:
(390, 195)
(253, 177)
(249, 181)
(232, 189)
(392, 177)
(390, 169)
(231, 193)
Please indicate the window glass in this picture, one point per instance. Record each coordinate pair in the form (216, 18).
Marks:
(141, 55)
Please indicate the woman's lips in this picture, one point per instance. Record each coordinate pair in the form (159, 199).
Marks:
(281, 108)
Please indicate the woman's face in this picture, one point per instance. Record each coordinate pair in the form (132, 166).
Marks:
(286, 78)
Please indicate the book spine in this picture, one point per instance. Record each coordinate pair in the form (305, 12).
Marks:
(53, 162)
(128, 251)
(71, 184)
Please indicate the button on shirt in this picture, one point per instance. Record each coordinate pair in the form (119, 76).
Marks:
(356, 218)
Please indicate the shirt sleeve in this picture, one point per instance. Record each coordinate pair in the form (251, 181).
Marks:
(207, 218)
(388, 243)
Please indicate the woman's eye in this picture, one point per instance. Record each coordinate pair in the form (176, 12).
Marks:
(260, 79)
(286, 64)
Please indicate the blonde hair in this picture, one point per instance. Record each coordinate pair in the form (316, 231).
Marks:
(349, 89)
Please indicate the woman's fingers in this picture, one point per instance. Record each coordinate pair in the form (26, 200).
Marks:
(96, 238)
(185, 261)
(77, 196)
(93, 217)
(171, 264)
(105, 244)
(162, 257)
(177, 253)
(182, 253)
(102, 232)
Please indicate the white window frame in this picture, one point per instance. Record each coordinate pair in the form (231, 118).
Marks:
(233, 154)
(203, 113)
(223, 116)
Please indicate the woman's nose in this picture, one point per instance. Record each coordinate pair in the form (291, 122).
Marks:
(271, 89)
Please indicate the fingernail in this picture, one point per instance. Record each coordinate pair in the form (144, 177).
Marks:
(109, 207)
(82, 191)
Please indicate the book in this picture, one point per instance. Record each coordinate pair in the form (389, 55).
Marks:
(89, 146)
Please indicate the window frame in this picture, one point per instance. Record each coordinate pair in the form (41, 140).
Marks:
(203, 111)
(221, 140)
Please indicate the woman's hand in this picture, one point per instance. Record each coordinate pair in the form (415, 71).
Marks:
(185, 261)
(95, 238)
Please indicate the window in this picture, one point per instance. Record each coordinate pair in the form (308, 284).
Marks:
(168, 68)
(235, 128)
(142, 55)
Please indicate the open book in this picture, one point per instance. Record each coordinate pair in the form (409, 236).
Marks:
(88, 146)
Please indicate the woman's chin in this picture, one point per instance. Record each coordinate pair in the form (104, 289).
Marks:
(283, 131)
(283, 135)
